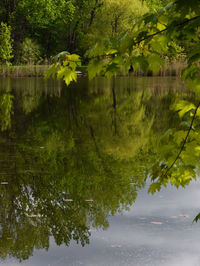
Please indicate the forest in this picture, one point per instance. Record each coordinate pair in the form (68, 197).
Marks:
(33, 31)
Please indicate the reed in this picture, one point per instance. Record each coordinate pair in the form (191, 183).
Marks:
(23, 70)
(169, 69)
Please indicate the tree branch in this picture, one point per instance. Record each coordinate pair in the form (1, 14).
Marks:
(161, 31)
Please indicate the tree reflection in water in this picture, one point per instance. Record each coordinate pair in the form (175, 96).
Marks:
(74, 156)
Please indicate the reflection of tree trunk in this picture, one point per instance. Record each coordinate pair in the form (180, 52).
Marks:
(72, 110)
(106, 169)
(114, 94)
(114, 118)
(94, 140)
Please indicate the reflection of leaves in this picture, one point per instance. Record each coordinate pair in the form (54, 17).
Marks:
(72, 179)
(6, 110)
(154, 188)
(77, 165)
(197, 218)
(180, 157)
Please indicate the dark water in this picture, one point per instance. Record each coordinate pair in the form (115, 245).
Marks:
(74, 167)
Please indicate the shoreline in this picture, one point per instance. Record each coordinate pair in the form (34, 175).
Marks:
(15, 71)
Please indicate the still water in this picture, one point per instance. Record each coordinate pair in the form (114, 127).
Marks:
(74, 175)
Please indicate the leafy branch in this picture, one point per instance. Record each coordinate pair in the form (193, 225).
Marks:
(184, 142)
(166, 29)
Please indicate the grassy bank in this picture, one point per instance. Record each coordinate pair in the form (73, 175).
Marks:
(170, 69)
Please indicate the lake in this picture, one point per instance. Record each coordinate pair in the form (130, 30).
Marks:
(75, 167)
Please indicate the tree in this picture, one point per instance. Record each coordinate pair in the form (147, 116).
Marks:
(41, 21)
(155, 5)
(72, 25)
(112, 19)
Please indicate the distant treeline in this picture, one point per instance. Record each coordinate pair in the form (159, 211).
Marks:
(32, 31)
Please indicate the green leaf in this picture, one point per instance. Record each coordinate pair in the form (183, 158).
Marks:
(186, 125)
(166, 135)
(163, 40)
(69, 77)
(111, 51)
(52, 71)
(97, 50)
(154, 188)
(190, 72)
(142, 62)
(183, 107)
(95, 67)
(179, 136)
(194, 85)
(60, 56)
(111, 69)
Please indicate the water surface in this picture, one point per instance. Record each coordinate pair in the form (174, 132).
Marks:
(74, 167)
